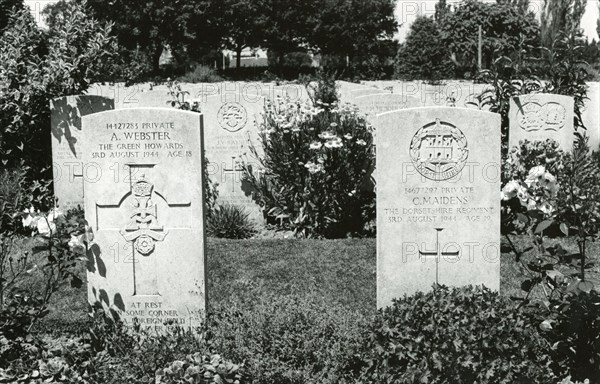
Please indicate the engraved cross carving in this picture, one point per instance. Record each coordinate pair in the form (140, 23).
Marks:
(140, 224)
(437, 253)
(143, 228)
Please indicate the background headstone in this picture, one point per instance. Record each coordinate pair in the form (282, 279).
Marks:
(231, 125)
(438, 205)
(144, 202)
(541, 116)
(355, 93)
(65, 125)
(378, 103)
(591, 115)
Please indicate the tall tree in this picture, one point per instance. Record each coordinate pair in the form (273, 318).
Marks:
(349, 27)
(286, 25)
(242, 25)
(422, 55)
(506, 30)
(205, 28)
(441, 10)
(560, 17)
(148, 25)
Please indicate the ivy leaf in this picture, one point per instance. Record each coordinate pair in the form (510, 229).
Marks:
(585, 286)
(543, 226)
(564, 229)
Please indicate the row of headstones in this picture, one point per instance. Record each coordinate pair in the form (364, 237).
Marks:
(532, 117)
(438, 208)
(437, 197)
(231, 110)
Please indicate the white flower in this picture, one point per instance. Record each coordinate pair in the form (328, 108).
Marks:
(29, 221)
(54, 214)
(510, 190)
(348, 136)
(313, 168)
(327, 135)
(361, 142)
(76, 244)
(334, 143)
(315, 145)
(45, 226)
(546, 208)
(333, 125)
(535, 175)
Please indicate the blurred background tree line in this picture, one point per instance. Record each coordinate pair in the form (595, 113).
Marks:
(197, 31)
(353, 37)
(445, 45)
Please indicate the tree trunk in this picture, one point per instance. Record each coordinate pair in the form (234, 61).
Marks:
(156, 59)
(238, 56)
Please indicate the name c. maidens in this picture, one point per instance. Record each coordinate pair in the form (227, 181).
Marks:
(440, 200)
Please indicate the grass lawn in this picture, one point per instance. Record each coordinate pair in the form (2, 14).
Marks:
(339, 271)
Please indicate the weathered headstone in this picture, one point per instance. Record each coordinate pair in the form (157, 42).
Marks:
(459, 93)
(144, 202)
(541, 116)
(354, 93)
(231, 122)
(438, 209)
(65, 123)
(378, 103)
(591, 115)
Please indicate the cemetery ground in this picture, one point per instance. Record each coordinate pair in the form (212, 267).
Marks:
(341, 272)
(282, 287)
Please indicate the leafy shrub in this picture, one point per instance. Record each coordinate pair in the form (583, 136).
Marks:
(286, 339)
(324, 89)
(316, 168)
(530, 154)
(569, 312)
(453, 335)
(23, 300)
(230, 222)
(572, 327)
(201, 369)
(38, 66)
(201, 74)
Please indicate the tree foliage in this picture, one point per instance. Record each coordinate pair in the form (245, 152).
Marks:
(6, 9)
(449, 42)
(560, 16)
(422, 55)
(149, 25)
(506, 31)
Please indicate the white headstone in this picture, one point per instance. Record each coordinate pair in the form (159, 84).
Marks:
(144, 202)
(65, 122)
(438, 204)
(541, 116)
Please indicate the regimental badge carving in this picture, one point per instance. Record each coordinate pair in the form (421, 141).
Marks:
(143, 228)
(439, 150)
(232, 116)
(535, 117)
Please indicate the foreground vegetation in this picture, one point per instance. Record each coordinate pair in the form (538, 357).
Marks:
(304, 311)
